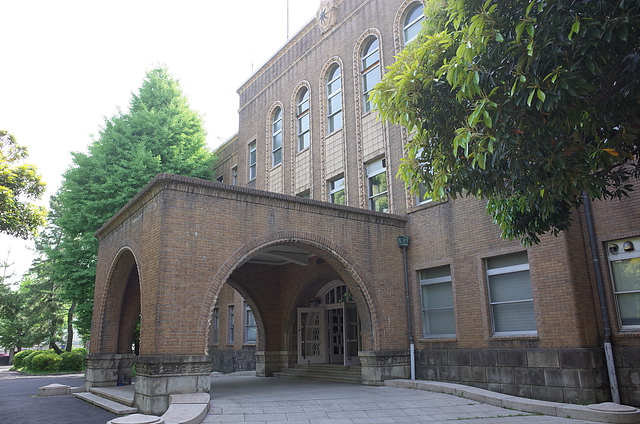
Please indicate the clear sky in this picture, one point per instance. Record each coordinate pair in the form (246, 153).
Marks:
(68, 64)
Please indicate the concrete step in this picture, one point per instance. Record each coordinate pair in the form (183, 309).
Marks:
(109, 405)
(120, 394)
(326, 372)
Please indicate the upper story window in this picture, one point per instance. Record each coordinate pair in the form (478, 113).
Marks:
(436, 295)
(234, 175)
(302, 116)
(370, 70)
(413, 22)
(253, 156)
(624, 262)
(377, 186)
(276, 137)
(334, 99)
(336, 191)
(510, 295)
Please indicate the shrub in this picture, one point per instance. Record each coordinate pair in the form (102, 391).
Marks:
(45, 362)
(18, 358)
(81, 350)
(71, 361)
(26, 363)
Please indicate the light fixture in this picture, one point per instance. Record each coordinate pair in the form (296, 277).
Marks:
(614, 248)
(403, 242)
(628, 246)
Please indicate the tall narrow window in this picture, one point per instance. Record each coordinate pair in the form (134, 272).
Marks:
(624, 262)
(510, 295)
(413, 22)
(251, 329)
(234, 175)
(215, 326)
(336, 191)
(302, 115)
(334, 99)
(436, 294)
(276, 137)
(231, 324)
(377, 185)
(252, 161)
(370, 70)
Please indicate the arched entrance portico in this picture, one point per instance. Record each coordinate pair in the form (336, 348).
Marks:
(185, 238)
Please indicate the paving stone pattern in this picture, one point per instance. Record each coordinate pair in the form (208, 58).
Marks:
(278, 400)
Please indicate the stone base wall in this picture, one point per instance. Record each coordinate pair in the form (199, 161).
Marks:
(229, 360)
(268, 362)
(377, 366)
(561, 375)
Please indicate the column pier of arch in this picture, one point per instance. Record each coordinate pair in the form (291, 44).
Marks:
(379, 365)
(268, 361)
(107, 369)
(157, 377)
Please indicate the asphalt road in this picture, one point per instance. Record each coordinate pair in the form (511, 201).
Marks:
(19, 403)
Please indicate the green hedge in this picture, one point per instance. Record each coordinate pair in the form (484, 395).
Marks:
(46, 362)
(71, 361)
(18, 358)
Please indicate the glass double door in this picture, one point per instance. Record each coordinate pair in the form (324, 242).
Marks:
(328, 334)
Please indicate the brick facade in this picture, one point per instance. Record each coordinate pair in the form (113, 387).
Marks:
(192, 246)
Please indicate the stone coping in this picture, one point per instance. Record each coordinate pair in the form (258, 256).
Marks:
(607, 412)
(189, 408)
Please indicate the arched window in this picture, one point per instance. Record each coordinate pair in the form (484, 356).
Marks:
(334, 99)
(276, 137)
(302, 115)
(370, 70)
(413, 22)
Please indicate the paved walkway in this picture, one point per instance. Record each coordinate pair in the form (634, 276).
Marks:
(247, 399)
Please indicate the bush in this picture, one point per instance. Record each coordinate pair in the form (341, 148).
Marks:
(71, 361)
(26, 363)
(18, 358)
(45, 362)
(81, 350)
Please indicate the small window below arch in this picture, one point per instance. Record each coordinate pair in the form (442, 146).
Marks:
(413, 22)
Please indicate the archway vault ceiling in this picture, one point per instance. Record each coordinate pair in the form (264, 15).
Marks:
(281, 255)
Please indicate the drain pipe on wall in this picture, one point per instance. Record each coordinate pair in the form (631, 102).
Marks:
(403, 243)
(608, 350)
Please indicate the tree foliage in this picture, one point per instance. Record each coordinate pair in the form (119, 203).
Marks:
(19, 183)
(159, 133)
(527, 104)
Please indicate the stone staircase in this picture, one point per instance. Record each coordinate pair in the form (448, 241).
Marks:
(116, 399)
(326, 372)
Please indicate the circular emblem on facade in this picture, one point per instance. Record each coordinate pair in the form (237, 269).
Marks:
(326, 15)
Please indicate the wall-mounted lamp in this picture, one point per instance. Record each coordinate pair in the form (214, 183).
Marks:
(403, 242)
(628, 246)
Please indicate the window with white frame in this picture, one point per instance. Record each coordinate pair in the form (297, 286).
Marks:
(624, 263)
(276, 137)
(370, 70)
(336, 191)
(436, 295)
(215, 326)
(377, 186)
(234, 175)
(231, 318)
(302, 116)
(510, 295)
(334, 99)
(250, 327)
(413, 22)
(253, 156)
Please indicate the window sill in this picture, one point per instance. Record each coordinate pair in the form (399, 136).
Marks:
(452, 339)
(426, 205)
(628, 333)
(299, 152)
(508, 337)
(332, 133)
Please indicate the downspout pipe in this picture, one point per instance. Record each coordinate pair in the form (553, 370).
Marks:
(604, 312)
(403, 244)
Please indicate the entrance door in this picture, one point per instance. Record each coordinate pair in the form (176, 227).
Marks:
(336, 335)
(311, 331)
(351, 333)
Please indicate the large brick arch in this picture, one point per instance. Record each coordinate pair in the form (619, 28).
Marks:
(119, 305)
(344, 264)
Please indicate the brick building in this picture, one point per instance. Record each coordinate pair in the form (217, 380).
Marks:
(293, 255)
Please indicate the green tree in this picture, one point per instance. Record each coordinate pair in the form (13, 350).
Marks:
(159, 133)
(19, 183)
(527, 104)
